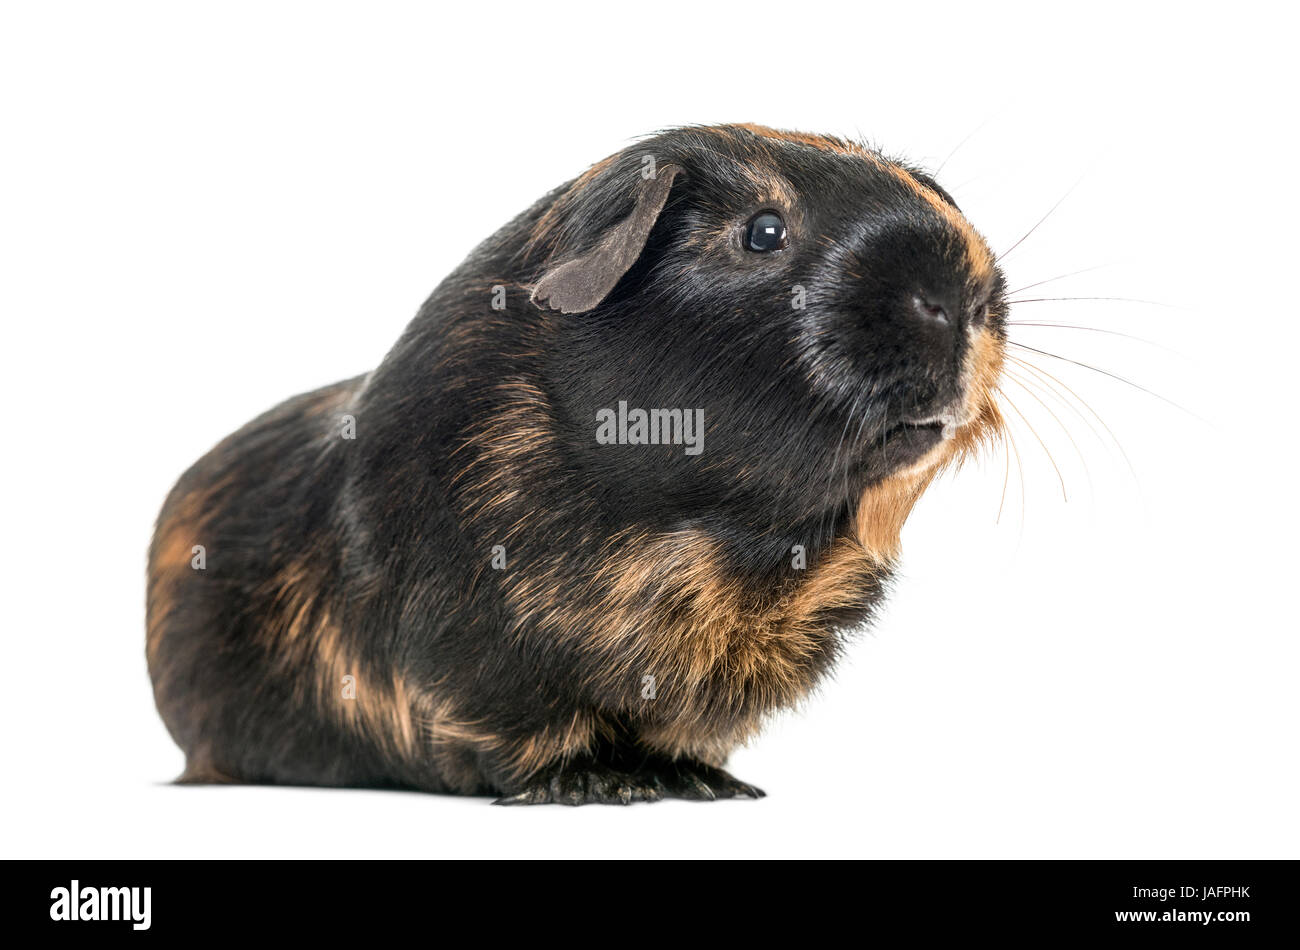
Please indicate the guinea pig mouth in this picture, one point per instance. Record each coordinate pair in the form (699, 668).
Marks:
(913, 439)
(907, 441)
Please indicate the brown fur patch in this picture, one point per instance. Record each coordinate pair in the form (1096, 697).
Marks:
(978, 256)
(307, 642)
(441, 728)
(182, 525)
(828, 143)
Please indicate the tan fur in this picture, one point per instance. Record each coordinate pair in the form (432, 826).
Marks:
(442, 728)
(305, 634)
(181, 526)
(829, 143)
(978, 256)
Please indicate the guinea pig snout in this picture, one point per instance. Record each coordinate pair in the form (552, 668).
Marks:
(933, 308)
(945, 312)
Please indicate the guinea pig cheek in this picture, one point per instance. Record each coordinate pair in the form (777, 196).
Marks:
(980, 420)
(976, 420)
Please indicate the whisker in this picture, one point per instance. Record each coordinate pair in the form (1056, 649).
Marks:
(1039, 371)
(1052, 280)
(1006, 477)
(1047, 387)
(857, 435)
(830, 472)
(1076, 326)
(1103, 372)
(958, 146)
(1020, 467)
(1003, 255)
(962, 186)
(1026, 385)
(1150, 303)
(1035, 434)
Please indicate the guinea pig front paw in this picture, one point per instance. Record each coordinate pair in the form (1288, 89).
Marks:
(590, 782)
(695, 781)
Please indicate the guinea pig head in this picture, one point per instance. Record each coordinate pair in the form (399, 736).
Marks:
(831, 317)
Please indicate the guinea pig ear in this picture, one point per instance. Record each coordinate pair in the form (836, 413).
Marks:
(578, 285)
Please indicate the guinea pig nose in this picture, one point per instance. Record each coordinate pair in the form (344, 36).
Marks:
(933, 310)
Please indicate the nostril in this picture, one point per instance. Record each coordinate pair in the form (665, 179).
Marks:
(929, 310)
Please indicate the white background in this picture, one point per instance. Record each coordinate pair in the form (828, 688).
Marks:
(208, 209)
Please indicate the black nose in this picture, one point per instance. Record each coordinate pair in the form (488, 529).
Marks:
(936, 309)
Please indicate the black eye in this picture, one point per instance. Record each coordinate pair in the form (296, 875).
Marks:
(766, 232)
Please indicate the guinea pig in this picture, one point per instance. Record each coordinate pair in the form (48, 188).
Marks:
(625, 486)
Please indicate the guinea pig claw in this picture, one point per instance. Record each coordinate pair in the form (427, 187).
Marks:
(596, 783)
(707, 783)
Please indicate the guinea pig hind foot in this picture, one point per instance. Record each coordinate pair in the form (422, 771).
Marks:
(585, 781)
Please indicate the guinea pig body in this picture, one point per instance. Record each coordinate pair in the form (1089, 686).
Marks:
(441, 576)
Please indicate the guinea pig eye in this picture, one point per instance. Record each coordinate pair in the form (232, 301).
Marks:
(766, 232)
